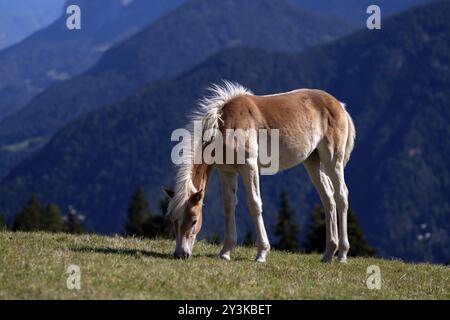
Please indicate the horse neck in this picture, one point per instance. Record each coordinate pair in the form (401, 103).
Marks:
(200, 175)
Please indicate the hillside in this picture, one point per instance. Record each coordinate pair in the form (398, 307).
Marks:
(127, 268)
(19, 19)
(175, 43)
(54, 54)
(396, 86)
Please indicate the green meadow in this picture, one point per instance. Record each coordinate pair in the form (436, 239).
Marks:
(34, 266)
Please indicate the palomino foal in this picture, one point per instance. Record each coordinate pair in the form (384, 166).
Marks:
(314, 129)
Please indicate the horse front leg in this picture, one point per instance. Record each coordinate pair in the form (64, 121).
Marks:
(229, 190)
(250, 177)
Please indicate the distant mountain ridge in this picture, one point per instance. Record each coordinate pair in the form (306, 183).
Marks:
(56, 53)
(130, 64)
(20, 18)
(173, 44)
(53, 54)
(395, 83)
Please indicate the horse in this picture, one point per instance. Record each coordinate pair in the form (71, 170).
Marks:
(314, 129)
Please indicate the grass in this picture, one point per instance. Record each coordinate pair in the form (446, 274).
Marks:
(33, 266)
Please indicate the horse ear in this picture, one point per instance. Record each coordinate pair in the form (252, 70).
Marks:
(196, 197)
(167, 192)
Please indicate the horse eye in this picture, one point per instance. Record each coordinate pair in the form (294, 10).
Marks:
(194, 222)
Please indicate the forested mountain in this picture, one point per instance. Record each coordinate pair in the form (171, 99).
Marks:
(57, 53)
(175, 43)
(395, 81)
(20, 18)
(54, 54)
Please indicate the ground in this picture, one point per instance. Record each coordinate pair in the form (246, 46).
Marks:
(34, 266)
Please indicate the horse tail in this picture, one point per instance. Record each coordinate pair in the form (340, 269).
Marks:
(351, 135)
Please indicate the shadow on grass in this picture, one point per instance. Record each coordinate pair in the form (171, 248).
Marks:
(143, 253)
(129, 252)
(216, 257)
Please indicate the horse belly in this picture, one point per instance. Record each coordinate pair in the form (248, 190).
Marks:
(291, 156)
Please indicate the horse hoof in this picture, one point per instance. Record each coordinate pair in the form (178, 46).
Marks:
(261, 257)
(225, 256)
(326, 259)
(342, 259)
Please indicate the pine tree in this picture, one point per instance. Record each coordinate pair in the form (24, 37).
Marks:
(3, 225)
(73, 221)
(154, 226)
(138, 215)
(53, 221)
(215, 238)
(166, 229)
(249, 240)
(286, 230)
(359, 245)
(317, 231)
(315, 239)
(32, 216)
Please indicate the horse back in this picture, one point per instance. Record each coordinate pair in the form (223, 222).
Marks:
(303, 117)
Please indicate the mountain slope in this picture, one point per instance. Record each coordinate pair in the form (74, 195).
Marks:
(396, 83)
(20, 18)
(56, 53)
(173, 44)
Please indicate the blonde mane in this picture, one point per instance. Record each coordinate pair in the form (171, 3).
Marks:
(209, 114)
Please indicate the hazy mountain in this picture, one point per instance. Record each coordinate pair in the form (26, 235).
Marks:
(56, 53)
(20, 18)
(396, 83)
(175, 43)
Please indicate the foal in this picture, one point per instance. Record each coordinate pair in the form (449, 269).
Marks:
(314, 129)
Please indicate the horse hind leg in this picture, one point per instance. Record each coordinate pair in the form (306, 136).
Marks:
(334, 168)
(325, 190)
(341, 197)
(229, 190)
